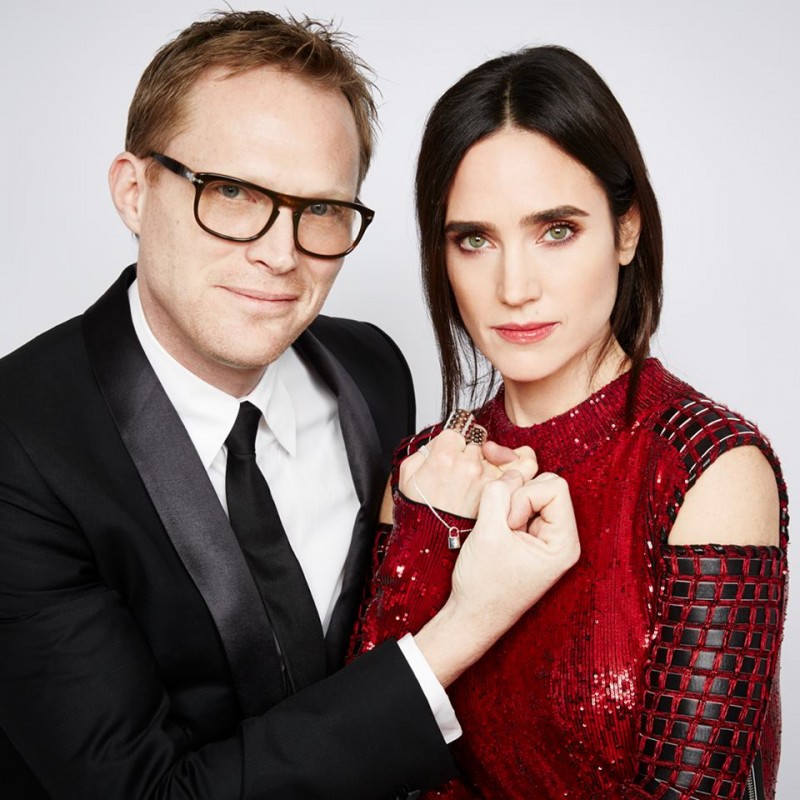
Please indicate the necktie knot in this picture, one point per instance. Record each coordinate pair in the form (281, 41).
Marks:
(241, 440)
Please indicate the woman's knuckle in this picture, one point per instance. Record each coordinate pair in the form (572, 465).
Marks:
(472, 470)
(529, 464)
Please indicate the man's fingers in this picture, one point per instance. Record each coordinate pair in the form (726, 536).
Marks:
(547, 496)
(496, 497)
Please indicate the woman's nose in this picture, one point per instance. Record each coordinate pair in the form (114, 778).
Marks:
(519, 279)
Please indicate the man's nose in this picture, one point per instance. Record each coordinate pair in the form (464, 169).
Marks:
(276, 249)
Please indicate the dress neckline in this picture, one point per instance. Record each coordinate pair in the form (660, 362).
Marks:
(571, 436)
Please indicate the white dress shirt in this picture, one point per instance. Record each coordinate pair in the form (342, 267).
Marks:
(300, 450)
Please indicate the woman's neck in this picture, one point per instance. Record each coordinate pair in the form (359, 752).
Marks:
(532, 402)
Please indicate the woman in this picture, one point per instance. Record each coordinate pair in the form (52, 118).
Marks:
(650, 670)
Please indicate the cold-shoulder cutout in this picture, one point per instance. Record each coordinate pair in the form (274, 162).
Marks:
(725, 484)
(734, 501)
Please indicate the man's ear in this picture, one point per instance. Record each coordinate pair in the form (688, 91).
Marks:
(630, 226)
(127, 181)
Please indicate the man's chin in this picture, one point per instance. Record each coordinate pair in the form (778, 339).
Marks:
(248, 348)
(252, 360)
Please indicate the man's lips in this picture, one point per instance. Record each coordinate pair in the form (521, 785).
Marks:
(261, 295)
(525, 333)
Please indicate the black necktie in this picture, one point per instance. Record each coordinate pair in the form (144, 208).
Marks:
(272, 562)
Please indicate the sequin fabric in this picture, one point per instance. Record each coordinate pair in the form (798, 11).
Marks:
(648, 671)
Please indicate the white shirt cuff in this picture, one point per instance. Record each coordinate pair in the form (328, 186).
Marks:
(434, 693)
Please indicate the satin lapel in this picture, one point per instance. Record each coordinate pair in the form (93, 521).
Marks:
(182, 494)
(364, 456)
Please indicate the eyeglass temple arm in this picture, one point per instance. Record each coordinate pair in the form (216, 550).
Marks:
(175, 166)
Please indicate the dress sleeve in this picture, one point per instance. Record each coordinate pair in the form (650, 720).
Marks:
(711, 669)
(411, 567)
(710, 708)
(413, 580)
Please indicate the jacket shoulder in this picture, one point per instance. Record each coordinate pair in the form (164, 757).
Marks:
(351, 340)
(48, 365)
(378, 368)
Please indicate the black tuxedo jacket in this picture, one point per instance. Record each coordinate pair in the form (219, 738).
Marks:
(131, 632)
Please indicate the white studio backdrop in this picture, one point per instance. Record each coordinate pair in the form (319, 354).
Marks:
(711, 89)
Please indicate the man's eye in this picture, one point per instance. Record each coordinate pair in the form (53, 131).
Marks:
(230, 191)
(320, 209)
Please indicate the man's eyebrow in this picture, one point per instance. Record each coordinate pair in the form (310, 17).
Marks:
(537, 218)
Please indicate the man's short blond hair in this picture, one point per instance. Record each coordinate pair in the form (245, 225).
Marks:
(240, 41)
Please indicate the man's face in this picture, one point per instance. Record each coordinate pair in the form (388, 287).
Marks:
(227, 309)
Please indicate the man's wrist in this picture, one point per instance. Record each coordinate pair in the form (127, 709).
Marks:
(451, 643)
(434, 692)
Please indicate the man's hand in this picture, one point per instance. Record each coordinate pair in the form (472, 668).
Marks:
(524, 540)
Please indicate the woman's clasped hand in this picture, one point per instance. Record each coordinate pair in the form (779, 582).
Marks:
(451, 473)
(525, 525)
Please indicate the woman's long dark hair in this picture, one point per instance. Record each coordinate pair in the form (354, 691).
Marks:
(551, 91)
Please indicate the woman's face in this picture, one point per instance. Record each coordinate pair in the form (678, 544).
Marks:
(532, 259)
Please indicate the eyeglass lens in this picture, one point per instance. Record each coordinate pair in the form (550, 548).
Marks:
(231, 209)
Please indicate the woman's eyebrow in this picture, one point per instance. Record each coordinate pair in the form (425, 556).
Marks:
(536, 218)
(459, 227)
(554, 214)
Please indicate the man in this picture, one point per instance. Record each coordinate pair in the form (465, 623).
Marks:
(150, 647)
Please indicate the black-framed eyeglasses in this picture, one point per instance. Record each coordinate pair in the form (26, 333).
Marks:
(240, 211)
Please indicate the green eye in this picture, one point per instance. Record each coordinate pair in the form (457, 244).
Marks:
(559, 232)
(475, 241)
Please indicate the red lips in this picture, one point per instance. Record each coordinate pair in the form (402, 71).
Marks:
(525, 333)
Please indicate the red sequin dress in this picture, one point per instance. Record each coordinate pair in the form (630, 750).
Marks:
(649, 670)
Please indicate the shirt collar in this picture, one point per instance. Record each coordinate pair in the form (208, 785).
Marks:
(208, 413)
